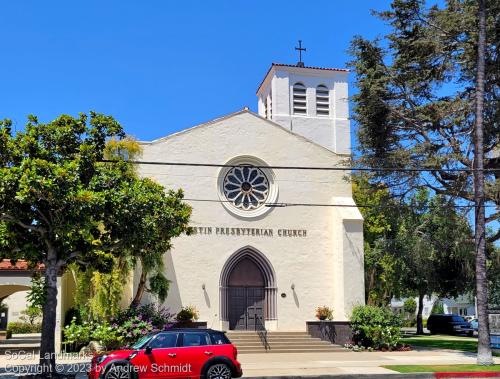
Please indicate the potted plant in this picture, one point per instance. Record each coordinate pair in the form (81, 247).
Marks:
(324, 313)
(187, 315)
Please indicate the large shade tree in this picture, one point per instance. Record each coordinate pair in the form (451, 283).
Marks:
(429, 98)
(60, 204)
(435, 250)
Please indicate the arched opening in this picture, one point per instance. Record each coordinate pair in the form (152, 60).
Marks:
(299, 99)
(322, 100)
(248, 290)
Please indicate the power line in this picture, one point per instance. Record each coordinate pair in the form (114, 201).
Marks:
(284, 204)
(312, 168)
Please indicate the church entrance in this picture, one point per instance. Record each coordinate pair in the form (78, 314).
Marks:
(248, 294)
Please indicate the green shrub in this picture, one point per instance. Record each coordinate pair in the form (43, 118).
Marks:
(375, 327)
(108, 337)
(410, 306)
(78, 335)
(20, 327)
(188, 313)
(410, 323)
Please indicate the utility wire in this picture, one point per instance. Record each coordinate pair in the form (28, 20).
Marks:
(282, 205)
(313, 168)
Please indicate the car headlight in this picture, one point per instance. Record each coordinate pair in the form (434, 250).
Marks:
(100, 359)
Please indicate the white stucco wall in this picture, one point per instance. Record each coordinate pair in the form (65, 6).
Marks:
(16, 303)
(332, 131)
(326, 267)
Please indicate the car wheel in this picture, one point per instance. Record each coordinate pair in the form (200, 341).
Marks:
(119, 371)
(219, 371)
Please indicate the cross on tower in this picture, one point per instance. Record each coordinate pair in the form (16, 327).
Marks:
(300, 49)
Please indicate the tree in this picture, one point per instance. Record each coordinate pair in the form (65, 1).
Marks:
(150, 253)
(37, 294)
(435, 244)
(425, 96)
(60, 204)
(380, 216)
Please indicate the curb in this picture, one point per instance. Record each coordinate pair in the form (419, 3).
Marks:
(424, 375)
(484, 374)
(350, 376)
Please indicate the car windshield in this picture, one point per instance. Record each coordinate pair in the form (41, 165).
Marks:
(142, 341)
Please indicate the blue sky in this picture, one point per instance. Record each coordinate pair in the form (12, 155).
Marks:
(162, 66)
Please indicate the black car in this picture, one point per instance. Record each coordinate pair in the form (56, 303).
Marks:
(448, 324)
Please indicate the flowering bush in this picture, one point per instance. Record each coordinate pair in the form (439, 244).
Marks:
(126, 328)
(158, 316)
(108, 336)
(135, 328)
(375, 327)
(78, 334)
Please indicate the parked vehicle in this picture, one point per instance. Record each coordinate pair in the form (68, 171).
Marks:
(448, 324)
(474, 324)
(176, 353)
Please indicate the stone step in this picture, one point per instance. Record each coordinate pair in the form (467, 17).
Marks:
(281, 346)
(327, 349)
(25, 348)
(246, 335)
(17, 340)
(275, 338)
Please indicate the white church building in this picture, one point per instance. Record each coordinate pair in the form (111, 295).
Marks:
(270, 243)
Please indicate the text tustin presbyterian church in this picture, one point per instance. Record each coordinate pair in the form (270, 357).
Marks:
(269, 246)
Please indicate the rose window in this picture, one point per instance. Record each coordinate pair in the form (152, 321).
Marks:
(246, 187)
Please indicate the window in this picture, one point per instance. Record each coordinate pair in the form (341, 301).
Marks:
(246, 187)
(299, 99)
(195, 339)
(219, 339)
(266, 110)
(164, 340)
(322, 101)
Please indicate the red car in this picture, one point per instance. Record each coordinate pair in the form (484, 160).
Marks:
(176, 353)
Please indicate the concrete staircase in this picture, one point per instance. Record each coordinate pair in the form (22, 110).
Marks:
(249, 342)
(21, 343)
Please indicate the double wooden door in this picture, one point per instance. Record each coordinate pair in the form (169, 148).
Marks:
(246, 308)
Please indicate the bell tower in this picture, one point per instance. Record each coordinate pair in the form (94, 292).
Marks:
(310, 101)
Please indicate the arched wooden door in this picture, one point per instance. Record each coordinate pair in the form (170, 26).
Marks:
(246, 287)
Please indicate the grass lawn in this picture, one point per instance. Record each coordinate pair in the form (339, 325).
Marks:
(443, 342)
(442, 368)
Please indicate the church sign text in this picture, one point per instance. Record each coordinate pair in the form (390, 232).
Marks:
(253, 232)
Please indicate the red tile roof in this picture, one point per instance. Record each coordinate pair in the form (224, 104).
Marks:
(313, 67)
(21, 265)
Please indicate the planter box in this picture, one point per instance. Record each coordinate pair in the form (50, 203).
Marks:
(336, 332)
(192, 324)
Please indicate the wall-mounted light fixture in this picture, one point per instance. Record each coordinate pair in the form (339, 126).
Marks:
(293, 286)
(203, 286)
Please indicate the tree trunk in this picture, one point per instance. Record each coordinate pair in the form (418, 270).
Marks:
(140, 289)
(420, 324)
(483, 348)
(47, 344)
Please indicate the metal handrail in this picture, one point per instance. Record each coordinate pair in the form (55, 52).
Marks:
(262, 332)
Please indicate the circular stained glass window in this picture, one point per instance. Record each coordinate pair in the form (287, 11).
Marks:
(246, 187)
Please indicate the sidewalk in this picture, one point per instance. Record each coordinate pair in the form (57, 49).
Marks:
(305, 364)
